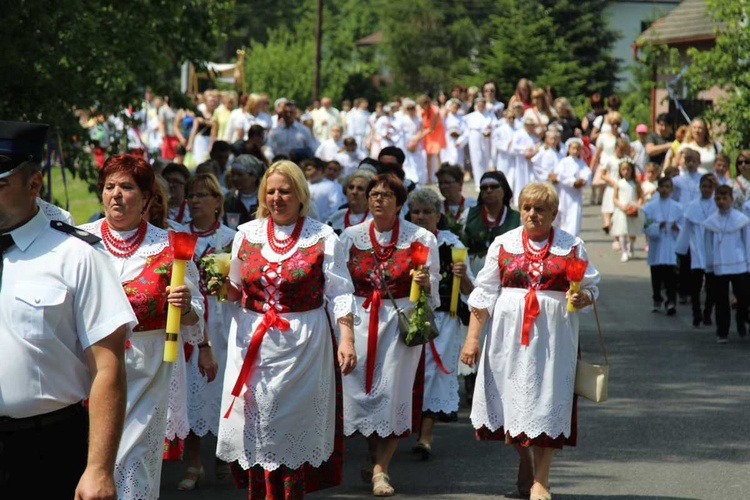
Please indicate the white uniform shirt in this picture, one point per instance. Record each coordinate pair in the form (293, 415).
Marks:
(687, 187)
(727, 243)
(327, 197)
(692, 235)
(58, 296)
(328, 149)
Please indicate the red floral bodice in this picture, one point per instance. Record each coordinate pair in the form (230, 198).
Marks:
(147, 292)
(295, 285)
(397, 272)
(515, 271)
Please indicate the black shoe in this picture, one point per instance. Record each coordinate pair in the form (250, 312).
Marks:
(684, 299)
(707, 319)
(671, 309)
(656, 307)
(696, 322)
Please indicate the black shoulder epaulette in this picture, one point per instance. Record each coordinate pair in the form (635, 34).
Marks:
(74, 231)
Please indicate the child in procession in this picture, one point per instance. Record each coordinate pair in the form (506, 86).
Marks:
(570, 176)
(628, 198)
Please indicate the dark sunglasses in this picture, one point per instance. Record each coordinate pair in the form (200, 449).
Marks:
(489, 187)
(742, 161)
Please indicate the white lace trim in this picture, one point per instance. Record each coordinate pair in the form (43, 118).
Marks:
(139, 477)
(312, 232)
(178, 425)
(407, 234)
(155, 241)
(481, 299)
(561, 245)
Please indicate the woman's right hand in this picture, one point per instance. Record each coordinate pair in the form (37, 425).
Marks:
(470, 352)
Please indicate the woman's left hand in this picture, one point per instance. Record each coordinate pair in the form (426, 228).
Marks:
(580, 299)
(180, 296)
(207, 364)
(422, 277)
(459, 269)
(347, 356)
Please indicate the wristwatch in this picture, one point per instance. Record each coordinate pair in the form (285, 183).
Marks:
(207, 343)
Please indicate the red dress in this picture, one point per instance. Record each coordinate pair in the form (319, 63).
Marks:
(435, 140)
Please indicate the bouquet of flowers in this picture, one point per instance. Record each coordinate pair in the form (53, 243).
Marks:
(216, 267)
(422, 327)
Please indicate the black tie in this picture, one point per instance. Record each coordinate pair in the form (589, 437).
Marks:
(6, 241)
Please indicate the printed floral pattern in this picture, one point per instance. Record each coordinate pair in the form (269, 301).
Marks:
(514, 271)
(397, 271)
(147, 292)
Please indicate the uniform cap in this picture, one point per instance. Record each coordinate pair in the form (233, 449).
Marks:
(20, 142)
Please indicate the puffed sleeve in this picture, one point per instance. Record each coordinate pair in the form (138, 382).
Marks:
(487, 284)
(193, 334)
(235, 266)
(339, 288)
(591, 278)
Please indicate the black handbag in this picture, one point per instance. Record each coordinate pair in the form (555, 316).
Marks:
(404, 319)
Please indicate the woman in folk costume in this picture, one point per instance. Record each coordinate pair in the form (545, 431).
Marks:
(378, 395)
(282, 413)
(456, 134)
(206, 364)
(523, 147)
(143, 259)
(570, 176)
(441, 354)
(524, 390)
(357, 211)
(479, 125)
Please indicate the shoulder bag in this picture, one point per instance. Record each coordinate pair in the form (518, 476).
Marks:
(591, 380)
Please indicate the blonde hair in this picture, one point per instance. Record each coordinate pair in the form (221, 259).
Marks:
(706, 129)
(540, 191)
(297, 179)
(253, 103)
(212, 185)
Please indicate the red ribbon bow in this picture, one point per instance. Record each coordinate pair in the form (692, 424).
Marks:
(530, 313)
(270, 320)
(374, 301)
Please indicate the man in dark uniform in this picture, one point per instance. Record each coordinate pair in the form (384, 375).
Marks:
(64, 320)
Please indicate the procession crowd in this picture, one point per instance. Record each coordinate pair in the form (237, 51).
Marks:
(320, 243)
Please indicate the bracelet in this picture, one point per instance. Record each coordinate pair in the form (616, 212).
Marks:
(207, 343)
(188, 312)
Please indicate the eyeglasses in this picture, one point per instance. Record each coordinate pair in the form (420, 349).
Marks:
(489, 187)
(200, 196)
(381, 195)
(743, 161)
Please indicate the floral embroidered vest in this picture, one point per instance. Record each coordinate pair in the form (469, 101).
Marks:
(396, 270)
(147, 292)
(514, 271)
(295, 285)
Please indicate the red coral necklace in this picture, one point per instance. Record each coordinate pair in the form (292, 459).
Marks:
(123, 247)
(283, 246)
(384, 252)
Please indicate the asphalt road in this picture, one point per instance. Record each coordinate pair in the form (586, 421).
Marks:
(675, 427)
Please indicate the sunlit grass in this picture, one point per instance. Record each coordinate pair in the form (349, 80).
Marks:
(80, 202)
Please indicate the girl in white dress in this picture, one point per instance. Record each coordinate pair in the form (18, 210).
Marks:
(609, 173)
(628, 198)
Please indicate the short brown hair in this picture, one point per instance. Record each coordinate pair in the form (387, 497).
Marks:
(393, 183)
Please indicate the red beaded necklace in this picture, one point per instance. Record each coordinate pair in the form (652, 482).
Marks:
(347, 222)
(459, 210)
(533, 254)
(486, 218)
(283, 246)
(123, 247)
(384, 252)
(208, 232)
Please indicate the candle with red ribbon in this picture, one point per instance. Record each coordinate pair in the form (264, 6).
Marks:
(574, 273)
(418, 253)
(183, 247)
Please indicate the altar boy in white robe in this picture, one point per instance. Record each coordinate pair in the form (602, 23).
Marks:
(570, 176)
(662, 217)
(727, 234)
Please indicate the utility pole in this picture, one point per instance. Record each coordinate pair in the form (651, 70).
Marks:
(318, 36)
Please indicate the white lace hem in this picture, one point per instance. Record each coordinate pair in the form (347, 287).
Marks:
(269, 462)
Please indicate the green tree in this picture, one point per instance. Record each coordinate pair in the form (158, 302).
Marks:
(85, 54)
(726, 66)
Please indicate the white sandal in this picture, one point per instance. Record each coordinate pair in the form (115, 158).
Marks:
(188, 484)
(381, 485)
